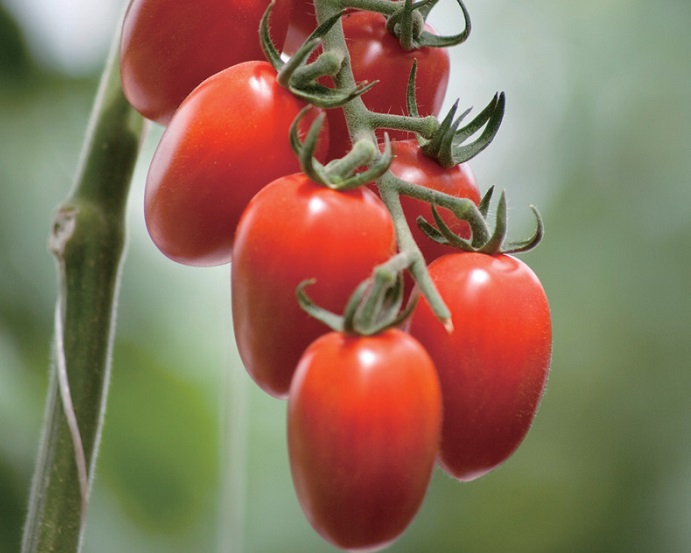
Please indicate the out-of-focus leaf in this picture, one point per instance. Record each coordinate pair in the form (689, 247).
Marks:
(159, 451)
(15, 63)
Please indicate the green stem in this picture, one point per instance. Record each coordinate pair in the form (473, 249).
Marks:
(356, 113)
(386, 7)
(87, 240)
(360, 126)
(406, 243)
(463, 208)
(426, 126)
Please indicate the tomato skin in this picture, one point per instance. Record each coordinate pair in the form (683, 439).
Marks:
(168, 48)
(412, 165)
(377, 56)
(228, 140)
(364, 418)
(494, 365)
(291, 231)
(303, 21)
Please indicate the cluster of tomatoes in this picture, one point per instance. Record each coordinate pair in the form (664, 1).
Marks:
(369, 415)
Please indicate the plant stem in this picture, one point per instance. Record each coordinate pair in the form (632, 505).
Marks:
(406, 243)
(356, 113)
(87, 239)
(360, 126)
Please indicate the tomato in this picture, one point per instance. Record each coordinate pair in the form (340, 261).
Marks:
(494, 364)
(377, 56)
(168, 48)
(291, 231)
(364, 419)
(303, 21)
(229, 139)
(412, 165)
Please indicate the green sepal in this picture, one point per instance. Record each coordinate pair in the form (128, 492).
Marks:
(519, 246)
(329, 98)
(442, 234)
(375, 305)
(448, 145)
(272, 55)
(380, 308)
(495, 243)
(332, 320)
(407, 24)
(430, 230)
(299, 76)
(411, 102)
(305, 150)
(411, 95)
(343, 173)
(485, 202)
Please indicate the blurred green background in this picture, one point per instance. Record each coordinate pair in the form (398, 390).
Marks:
(193, 458)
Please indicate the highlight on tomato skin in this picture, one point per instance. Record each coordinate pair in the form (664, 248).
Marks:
(228, 139)
(364, 417)
(168, 48)
(494, 365)
(293, 230)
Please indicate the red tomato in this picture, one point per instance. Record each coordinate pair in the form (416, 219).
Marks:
(229, 139)
(377, 55)
(294, 230)
(411, 165)
(494, 365)
(364, 418)
(168, 48)
(303, 21)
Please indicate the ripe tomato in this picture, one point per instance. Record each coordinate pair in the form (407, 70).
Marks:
(229, 139)
(364, 418)
(494, 365)
(411, 165)
(303, 21)
(377, 55)
(291, 231)
(168, 48)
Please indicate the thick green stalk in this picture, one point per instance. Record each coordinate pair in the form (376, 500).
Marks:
(87, 239)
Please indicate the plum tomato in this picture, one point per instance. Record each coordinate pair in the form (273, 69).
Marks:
(364, 418)
(293, 230)
(168, 48)
(494, 365)
(228, 139)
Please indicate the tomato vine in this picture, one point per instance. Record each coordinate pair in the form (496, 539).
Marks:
(318, 236)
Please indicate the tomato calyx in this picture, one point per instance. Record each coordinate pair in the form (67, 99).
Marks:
(407, 24)
(376, 304)
(406, 21)
(489, 244)
(363, 164)
(300, 76)
(448, 144)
